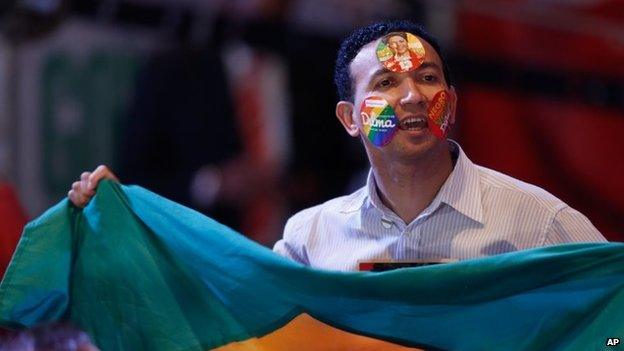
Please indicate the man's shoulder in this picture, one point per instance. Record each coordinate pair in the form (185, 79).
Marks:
(498, 184)
(333, 207)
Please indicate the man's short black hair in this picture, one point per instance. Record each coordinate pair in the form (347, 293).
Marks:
(352, 44)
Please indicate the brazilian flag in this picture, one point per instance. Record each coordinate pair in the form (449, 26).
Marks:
(139, 272)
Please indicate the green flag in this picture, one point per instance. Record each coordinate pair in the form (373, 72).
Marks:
(139, 272)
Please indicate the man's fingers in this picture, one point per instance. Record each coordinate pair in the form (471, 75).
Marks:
(77, 194)
(84, 180)
(76, 198)
(94, 178)
(101, 172)
(83, 190)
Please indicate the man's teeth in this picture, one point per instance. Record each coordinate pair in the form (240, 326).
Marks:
(413, 123)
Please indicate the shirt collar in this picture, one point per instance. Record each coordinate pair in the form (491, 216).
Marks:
(461, 190)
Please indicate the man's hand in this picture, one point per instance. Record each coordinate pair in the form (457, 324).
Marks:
(83, 190)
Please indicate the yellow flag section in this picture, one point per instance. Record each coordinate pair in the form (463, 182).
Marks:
(304, 333)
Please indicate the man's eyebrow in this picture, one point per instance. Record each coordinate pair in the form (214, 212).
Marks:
(378, 72)
(429, 64)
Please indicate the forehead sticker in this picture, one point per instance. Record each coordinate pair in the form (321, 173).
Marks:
(439, 113)
(380, 122)
(400, 52)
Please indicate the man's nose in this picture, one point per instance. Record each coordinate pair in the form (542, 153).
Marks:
(411, 93)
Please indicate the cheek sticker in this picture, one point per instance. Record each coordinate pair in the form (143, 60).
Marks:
(439, 113)
(400, 52)
(379, 121)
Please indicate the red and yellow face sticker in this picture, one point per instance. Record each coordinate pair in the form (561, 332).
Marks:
(400, 52)
(439, 113)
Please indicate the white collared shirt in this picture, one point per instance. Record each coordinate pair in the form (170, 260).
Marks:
(477, 212)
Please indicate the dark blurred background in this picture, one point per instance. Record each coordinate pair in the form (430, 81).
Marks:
(228, 106)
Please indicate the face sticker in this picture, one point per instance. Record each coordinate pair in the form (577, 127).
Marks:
(400, 52)
(439, 113)
(380, 122)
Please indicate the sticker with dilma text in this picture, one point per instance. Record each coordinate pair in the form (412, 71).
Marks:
(379, 120)
(439, 113)
(400, 52)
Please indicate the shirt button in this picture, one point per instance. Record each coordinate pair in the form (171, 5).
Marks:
(386, 223)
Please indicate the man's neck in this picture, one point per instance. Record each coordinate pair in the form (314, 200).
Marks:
(408, 188)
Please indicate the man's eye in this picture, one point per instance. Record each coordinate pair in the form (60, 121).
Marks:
(384, 83)
(431, 78)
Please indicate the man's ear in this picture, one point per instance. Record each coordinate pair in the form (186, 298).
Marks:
(345, 111)
(454, 105)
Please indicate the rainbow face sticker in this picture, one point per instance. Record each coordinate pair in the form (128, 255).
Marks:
(379, 120)
(439, 113)
(400, 52)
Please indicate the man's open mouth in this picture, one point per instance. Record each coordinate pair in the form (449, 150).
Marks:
(413, 123)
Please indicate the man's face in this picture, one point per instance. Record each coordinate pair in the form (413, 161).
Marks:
(409, 94)
(398, 44)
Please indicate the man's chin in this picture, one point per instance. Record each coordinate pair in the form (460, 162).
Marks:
(412, 149)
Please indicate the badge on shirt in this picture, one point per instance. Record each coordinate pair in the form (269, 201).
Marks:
(382, 266)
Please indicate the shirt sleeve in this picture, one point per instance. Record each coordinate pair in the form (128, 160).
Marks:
(289, 246)
(569, 225)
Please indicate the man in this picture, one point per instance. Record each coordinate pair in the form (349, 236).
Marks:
(424, 199)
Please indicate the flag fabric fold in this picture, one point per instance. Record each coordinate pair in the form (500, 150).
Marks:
(139, 272)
